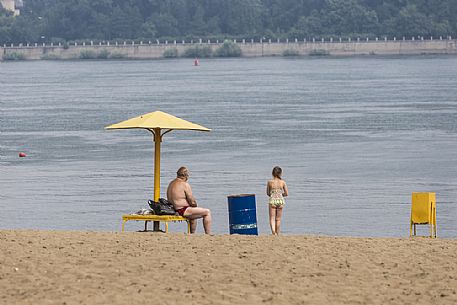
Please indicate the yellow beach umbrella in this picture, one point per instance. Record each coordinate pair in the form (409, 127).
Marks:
(159, 123)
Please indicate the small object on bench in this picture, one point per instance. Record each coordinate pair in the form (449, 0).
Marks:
(159, 218)
(163, 207)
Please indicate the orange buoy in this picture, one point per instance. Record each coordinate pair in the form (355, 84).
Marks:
(196, 63)
(22, 155)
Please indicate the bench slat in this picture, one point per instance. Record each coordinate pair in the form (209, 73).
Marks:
(160, 218)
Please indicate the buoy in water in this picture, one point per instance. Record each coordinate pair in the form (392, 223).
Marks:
(22, 155)
(196, 62)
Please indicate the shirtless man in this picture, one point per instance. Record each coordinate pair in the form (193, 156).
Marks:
(179, 193)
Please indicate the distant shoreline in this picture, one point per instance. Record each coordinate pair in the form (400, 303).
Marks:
(248, 49)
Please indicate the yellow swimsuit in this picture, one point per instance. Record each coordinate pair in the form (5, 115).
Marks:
(276, 198)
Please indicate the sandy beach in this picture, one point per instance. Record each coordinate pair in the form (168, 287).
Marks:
(62, 267)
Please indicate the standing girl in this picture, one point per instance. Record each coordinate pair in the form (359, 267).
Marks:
(276, 190)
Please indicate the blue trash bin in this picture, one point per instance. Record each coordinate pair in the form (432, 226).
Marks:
(242, 214)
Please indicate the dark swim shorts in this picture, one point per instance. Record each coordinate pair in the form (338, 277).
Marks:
(181, 211)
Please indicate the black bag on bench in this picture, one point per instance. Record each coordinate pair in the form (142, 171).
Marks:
(163, 207)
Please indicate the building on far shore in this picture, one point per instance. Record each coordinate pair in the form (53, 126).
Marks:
(12, 5)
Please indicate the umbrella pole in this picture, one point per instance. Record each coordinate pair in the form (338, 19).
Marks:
(157, 140)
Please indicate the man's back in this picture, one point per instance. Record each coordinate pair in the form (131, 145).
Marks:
(176, 193)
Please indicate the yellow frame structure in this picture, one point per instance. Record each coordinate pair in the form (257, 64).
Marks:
(155, 218)
(423, 212)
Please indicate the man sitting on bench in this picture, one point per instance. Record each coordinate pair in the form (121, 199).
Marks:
(179, 193)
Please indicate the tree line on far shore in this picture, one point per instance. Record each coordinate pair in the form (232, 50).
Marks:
(109, 20)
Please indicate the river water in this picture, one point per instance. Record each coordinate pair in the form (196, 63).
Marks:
(354, 136)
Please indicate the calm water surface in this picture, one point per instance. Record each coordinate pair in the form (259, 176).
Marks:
(354, 136)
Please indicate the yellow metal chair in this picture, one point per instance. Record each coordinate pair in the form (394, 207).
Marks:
(423, 212)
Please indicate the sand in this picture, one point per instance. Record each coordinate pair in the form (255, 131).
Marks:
(49, 267)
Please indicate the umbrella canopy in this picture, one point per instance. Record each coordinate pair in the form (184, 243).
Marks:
(157, 119)
(159, 123)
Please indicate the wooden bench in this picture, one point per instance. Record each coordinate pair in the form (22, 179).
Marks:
(160, 218)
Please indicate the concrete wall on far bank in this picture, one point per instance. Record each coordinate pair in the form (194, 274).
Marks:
(249, 49)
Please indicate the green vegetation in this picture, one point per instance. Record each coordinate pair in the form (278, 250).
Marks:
(50, 56)
(110, 20)
(116, 55)
(290, 52)
(13, 56)
(103, 54)
(170, 53)
(87, 54)
(319, 52)
(198, 51)
(228, 49)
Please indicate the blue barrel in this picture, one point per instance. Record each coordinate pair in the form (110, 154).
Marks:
(242, 214)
